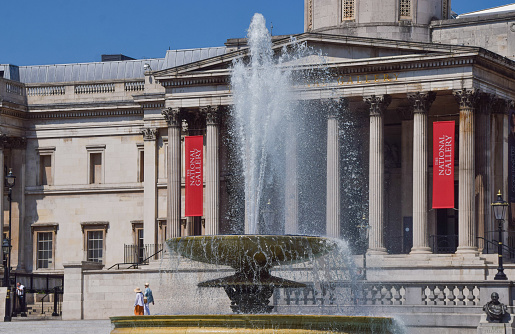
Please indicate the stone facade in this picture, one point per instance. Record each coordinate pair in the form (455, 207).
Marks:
(100, 161)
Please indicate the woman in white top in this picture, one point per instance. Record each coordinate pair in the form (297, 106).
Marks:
(138, 303)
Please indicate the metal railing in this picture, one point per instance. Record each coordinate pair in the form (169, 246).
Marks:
(444, 244)
(38, 283)
(491, 247)
(135, 255)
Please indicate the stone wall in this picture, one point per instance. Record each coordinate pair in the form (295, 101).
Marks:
(492, 32)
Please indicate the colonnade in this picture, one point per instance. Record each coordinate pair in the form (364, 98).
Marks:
(420, 103)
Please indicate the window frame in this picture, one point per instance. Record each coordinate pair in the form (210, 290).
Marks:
(344, 4)
(96, 149)
(36, 229)
(96, 226)
(141, 163)
(45, 151)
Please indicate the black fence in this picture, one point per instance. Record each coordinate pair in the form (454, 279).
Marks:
(140, 254)
(46, 284)
(444, 244)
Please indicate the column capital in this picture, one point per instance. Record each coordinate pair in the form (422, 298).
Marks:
(149, 134)
(486, 102)
(172, 116)
(334, 106)
(466, 98)
(421, 101)
(377, 103)
(12, 142)
(501, 106)
(212, 114)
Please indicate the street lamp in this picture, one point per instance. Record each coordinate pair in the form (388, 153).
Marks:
(499, 208)
(363, 229)
(10, 180)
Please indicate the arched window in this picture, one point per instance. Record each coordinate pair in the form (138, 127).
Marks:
(405, 9)
(348, 9)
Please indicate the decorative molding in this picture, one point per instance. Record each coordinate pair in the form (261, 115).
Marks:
(172, 116)
(149, 134)
(103, 225)
(12, 142)
(136, 224)
(54, 227)
(377, 104)
(466, 98)
(221, 80)
(421, 101)
(212, 114)
(310, 15)
(77, 114)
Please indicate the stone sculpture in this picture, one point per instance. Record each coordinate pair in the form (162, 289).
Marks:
(494, 309)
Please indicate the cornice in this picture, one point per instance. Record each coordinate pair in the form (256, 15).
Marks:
(84, 113)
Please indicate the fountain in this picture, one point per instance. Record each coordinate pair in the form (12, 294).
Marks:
(263, 100)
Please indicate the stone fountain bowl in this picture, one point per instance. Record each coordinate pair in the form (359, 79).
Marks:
(247, 251)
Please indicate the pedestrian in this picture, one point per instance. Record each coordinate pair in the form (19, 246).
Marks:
(138, 303)
(20, 291)
(148, 298)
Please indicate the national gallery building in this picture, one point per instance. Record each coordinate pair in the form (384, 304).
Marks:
(99, 158)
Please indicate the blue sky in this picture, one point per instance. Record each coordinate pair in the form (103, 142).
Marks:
(36, 32)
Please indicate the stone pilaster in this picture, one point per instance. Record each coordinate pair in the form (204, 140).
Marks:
(421, 102)
(150, 186)
(467, 100)
(212, 211)
(377, 106)
(333, 166)
(173, 119)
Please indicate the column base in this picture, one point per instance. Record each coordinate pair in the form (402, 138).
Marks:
(421, 250)
(377, 251)
(467, 250)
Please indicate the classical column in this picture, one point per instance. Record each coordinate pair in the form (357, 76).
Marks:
(333, 167)
(421, 102)
(212, 212)
(291, 191)
(406, 195)
(173, 118)
(466, 201)
(482, 163)
(149, 186)
(377, 106)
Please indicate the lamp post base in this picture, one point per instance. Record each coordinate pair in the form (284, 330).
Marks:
(500, 276)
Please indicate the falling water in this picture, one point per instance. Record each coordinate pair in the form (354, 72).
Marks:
(264, 110)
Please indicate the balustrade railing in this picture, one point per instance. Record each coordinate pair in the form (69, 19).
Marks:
(14, 88)
(46, 90)
(374, 293)
(134, 86)
(94, 88)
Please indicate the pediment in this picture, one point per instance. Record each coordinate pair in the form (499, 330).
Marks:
(334, 48)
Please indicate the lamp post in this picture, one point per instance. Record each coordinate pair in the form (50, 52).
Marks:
(10, 180)
(363, 229)
(499, 208)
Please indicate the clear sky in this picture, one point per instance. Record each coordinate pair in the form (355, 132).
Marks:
(36, 32)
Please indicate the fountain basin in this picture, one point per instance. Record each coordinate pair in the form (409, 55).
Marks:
(252, 323)
(251, 251)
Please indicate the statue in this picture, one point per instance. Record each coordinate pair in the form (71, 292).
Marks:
(494, 309)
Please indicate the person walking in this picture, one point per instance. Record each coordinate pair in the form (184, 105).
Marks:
(138, 303)
(148, 298)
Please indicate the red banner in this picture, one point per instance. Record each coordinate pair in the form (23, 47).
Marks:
(194, 176)
(443, 167)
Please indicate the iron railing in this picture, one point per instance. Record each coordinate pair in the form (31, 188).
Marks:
(444, 244)
(140, 254)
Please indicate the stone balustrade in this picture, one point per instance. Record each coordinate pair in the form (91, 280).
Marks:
(94, 88)
(46, 90)
(11, 91)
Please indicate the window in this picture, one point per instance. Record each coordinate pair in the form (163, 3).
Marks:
(44, 244)
(94, 240)
(44, 250)
(138, 254)
(95, 246)
(96, 164)
(348, 11)
(405, 9)
(141, 163)
(46, 161)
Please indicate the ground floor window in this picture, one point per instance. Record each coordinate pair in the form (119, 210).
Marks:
(95, 246)
(44, 250)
